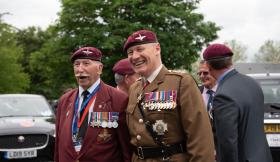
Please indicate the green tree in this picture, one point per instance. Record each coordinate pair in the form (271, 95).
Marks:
(32, 40)
(106, 25)
(12, 77)
(269, 52)
(238, 49)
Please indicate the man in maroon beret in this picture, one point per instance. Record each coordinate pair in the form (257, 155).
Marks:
(90, 124)
(125, 76)
(166, 117)
(237, 110)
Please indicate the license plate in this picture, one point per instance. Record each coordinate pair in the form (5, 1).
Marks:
(20, 154)
(273, 140)
(272, 128)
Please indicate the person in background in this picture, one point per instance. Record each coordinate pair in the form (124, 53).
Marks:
(125, 76)
(166, 117)
(90, 124)
(237, 110)
(208, 87)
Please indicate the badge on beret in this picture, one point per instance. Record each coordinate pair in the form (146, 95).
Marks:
(140, 37)
(160, 127)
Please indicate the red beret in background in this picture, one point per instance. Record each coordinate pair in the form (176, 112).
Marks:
(140, 37)
(123, 67)
(87, 53)
(216, 51)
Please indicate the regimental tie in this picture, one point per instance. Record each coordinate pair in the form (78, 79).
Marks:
(83, 128)
(210, 99)
(145, 83)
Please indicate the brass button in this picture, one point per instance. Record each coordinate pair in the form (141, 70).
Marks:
(138, 137)
(140, 120)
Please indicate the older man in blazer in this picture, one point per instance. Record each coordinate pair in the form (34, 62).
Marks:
(90, 125)
(238, 110)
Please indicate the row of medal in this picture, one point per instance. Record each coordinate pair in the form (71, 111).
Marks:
(104, 119)
(160, 100)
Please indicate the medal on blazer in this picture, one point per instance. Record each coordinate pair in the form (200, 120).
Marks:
(110, 123)
(98, 122)
(104, 120)
(115, 118)
(160, 127)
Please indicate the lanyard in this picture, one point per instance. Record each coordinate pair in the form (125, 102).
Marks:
(82, 118)
(76, 124)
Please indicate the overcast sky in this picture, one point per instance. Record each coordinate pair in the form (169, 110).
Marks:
(250, 22)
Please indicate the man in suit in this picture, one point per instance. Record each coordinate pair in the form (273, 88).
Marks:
(165, 115)
(208, 87)
(238, 110)
(125, 76)
(90, 123)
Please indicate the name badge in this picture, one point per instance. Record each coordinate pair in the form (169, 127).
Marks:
(78, 146)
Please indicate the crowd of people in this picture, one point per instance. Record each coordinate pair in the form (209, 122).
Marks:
(155, 114)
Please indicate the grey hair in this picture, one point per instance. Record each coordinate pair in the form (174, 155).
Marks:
(118, 78)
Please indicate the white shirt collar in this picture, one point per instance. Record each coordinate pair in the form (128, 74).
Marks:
(90, 89)
(213, 89)
(152, 77)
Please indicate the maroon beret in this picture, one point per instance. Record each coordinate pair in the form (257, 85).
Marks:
(87, 53)
(123, 67)
(140, 37)
(216, 51)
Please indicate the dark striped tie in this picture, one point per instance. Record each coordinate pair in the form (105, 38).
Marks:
(210, 99)
(83, 128)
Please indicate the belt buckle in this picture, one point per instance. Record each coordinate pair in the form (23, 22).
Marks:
(140, 153)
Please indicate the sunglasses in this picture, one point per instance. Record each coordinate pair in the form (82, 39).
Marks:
(203, 72)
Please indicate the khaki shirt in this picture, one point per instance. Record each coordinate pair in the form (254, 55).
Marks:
(188, 121)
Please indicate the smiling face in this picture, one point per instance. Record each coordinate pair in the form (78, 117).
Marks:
(87, 72)
(144, 58)
(207, 80)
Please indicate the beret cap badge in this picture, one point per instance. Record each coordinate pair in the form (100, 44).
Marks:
(140, 37)
(87, 53)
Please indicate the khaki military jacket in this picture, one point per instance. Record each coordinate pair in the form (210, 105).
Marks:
(187, 121)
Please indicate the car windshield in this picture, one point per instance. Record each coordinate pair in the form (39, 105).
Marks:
(271, 90)
(24, 106)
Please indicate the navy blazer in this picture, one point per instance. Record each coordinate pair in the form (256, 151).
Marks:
(238, 118)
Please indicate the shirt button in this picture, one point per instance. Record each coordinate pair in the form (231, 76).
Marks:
(140, 120)
(138, 137)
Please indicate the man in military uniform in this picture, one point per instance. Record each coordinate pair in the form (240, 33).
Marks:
(166, 117)
(90, 123)
(125, 76)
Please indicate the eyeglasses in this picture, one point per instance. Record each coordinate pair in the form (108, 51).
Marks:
(203, 72)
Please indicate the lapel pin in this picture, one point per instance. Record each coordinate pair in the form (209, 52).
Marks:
(67, 113)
